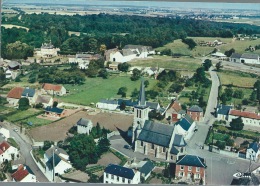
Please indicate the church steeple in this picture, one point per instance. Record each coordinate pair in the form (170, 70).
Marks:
(141, 99)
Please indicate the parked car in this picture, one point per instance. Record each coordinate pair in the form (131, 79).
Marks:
(16, 130)
(127, 146)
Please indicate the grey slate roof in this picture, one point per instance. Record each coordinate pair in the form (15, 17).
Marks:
(128, 102)
(184, 123)
(84, 122)
(49, 163)
(223, 109)
(195, 108)
(254, 146)
(174, 150)
(156, 133)
(147, 168)
(127, 52)
(249, 56)
(54, 109)
(236, 55)
(179, 141)
(118, 170)
(191, 160)
(188, 118)
(58, 150)
(152, 105)
(28, 92)
(141, 98)
(114, 102)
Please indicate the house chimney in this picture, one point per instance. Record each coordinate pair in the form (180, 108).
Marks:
(3, 148)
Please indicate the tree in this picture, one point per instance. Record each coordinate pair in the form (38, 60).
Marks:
(103, 145)
(219, 66)
(92, 44)
(146, 83)
(55, 104)
(103, 73)
(124, 67)
(237, 124)
(82, 151)
(18, 50)
(207, 64)
(102, 48)
(24, 104)
(228, 53)
(47, 145)
(136, 74)
(122, 91)
(257, 89)
(238, 94)
(176, 87)
(2, 75)
(122, 105)
(190, 42)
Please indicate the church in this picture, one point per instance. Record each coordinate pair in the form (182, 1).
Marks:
(153, 138)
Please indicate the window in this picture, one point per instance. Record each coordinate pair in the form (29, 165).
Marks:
(182, 167)
(123, 179)
(164, 149)
(106, 181)
(106, 175)
(190, 168)
(180, 174)
(129, 181)
(171, 157)
(197, 176)
(197, 169)
(117, 178)
(142, 143)
(112, 177)
(152, 146)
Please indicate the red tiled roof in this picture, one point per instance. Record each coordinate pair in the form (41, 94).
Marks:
(47, 86)
(15, 93)
(244, 114)
(20, 174)
(176, 106)
(3, 147)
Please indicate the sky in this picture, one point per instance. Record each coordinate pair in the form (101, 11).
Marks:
(255, 6)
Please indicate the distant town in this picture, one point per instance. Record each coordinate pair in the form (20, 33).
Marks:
(129, 94)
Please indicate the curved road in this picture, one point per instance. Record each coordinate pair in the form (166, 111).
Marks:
(25, 148)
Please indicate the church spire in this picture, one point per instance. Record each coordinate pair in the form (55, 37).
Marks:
(141, 99)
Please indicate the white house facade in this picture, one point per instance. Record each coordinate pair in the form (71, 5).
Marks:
(84, 126)
(107, 104)
(7, 152)
(248, 118)
(253, 151)
(185, 127)
(249, 58)
(116, 174)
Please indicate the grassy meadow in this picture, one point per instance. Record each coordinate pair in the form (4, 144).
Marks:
(95, 89)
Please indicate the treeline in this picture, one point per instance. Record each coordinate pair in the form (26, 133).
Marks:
(113, 30)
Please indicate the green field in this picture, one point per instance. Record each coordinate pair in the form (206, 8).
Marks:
(95, 89)
(182, 63)
(237, 79)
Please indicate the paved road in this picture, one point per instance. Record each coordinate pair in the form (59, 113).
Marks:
(25, 148)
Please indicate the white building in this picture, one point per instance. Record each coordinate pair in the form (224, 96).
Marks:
(235, 57)
(23, 174)
(185, 127)
(117, 174)
(222, 112)
(47, 50)
(5, 132)
(249, 58)
(248, 118)
(52, 89)
(84, 126)
(7, 152)
(107, 104)
(253, 151)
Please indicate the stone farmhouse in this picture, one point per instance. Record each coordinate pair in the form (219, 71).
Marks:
(248, 58)
(117, 174)
(47, 50)
(52, 89)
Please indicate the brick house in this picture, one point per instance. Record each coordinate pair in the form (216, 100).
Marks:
(195, 112)
(190, 168)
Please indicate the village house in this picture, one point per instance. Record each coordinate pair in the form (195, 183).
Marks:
(195, 112)
(107, 104)
(84, 126)
(54, 112)
(185, 127)
(8, 152)
(14, 95)
(175, 112)
(56, 150)
(117, 174)
(144, 167)
(83, 59)
(249, 58)
(30, 94)
(23, 174)
(248, 118)
(47, 50)
(153, 138)
(235, 57)
(45, 100)
(222, 111)
(253, 151)
(219, 55)
(52, 89)
(189, 167)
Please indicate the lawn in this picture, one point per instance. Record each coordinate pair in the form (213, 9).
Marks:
(95, 89)
(182, 63)
(237, 79)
